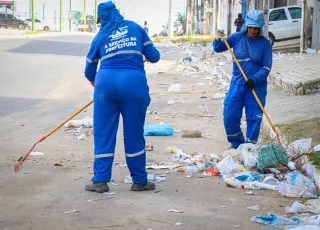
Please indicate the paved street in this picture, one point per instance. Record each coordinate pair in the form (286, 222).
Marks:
(42, 83)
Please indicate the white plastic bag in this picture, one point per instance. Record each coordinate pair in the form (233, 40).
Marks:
(289, 190)
(85, 122)
(227, 166)
(249, 153)
(176, 87)
(296, 207)
(299, 147)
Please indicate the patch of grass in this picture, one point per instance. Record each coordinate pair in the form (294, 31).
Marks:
(314, 158)
(199, 39)
(302, 129)
(31, 32)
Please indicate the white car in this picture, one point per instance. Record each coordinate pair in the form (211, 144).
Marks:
(284, 23)
(38, 24)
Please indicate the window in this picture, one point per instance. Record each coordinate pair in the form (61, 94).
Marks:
(37, 20)
(295, 12)
(2, 16)
(9, 16)
(277, 15)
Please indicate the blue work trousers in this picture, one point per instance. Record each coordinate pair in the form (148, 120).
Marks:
(125, 92)
(238, 97)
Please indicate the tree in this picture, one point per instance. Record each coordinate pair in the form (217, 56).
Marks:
(181, 18)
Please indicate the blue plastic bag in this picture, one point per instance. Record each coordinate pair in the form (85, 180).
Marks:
(158, 130)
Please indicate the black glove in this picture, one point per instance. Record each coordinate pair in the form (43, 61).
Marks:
(249, 84)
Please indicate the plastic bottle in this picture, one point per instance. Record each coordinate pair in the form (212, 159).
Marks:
(234, 183)
(151, 177)
(156, 178)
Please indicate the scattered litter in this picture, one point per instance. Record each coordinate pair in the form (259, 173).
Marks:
(218, 95)
(152, 112)
(191, 134)
(176, 87)
(36, 154)
(178, 224)
(311, 51)
(177, 131)
(171, 102)
(157, 191)
(316, 148)
(254, 208)
(82, 136)
(251, 193)
(203, 97)
(158, 130)
(107, 226)
(109, 193)
(223, 206)
(58, 164)
(237, 226)
(175, 210)
(152, 177)
(73, 211)
(249, 155)
(85, 122)
(149, 147)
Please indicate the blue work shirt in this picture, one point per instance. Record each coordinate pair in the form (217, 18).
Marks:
(253, 54)
(123, 48)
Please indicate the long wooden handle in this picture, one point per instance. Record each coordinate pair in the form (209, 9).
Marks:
(253, 92)
(66, 120)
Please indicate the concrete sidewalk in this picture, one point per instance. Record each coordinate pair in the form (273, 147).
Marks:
(282, 106)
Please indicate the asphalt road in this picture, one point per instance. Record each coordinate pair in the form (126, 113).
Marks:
(31, 69)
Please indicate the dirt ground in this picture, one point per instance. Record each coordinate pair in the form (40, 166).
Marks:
(38, 195)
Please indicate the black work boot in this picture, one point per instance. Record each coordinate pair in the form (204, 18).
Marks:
(99, 187)
(143, 187)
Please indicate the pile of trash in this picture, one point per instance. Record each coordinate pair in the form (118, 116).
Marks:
(268, 166)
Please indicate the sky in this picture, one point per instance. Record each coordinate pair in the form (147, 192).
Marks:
(155, 12)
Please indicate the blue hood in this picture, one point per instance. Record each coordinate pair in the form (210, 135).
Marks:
(254, 18)
(109, 16)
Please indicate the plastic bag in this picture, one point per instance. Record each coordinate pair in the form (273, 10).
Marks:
(158, 130)
(249, 155)
(299, 147)
(227, 166)
(85, 122)
(296, 207)
(296, 178)
(176, 87)
(269, 156)
(289, 190)
(273, 220)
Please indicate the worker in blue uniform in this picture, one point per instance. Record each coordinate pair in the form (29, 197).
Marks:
(254, 54)
(120, 87)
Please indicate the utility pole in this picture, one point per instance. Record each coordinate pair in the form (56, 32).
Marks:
(229, 17)
(95, 15)
(70, 18)
(43, 6)
(265, 8)
(84, 10)
(189, 18)
(194, 26)
(32, 14)
(61, 21)
(170, 23)
(302, 36)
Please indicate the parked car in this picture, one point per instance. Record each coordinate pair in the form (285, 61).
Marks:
(284, 23)
(177, 29)
(38, 24)
(8, 20)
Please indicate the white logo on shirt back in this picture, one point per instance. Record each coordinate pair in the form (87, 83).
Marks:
(119, 33)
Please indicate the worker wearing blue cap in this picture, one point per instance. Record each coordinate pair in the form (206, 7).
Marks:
(120, 87)
(254, 54)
